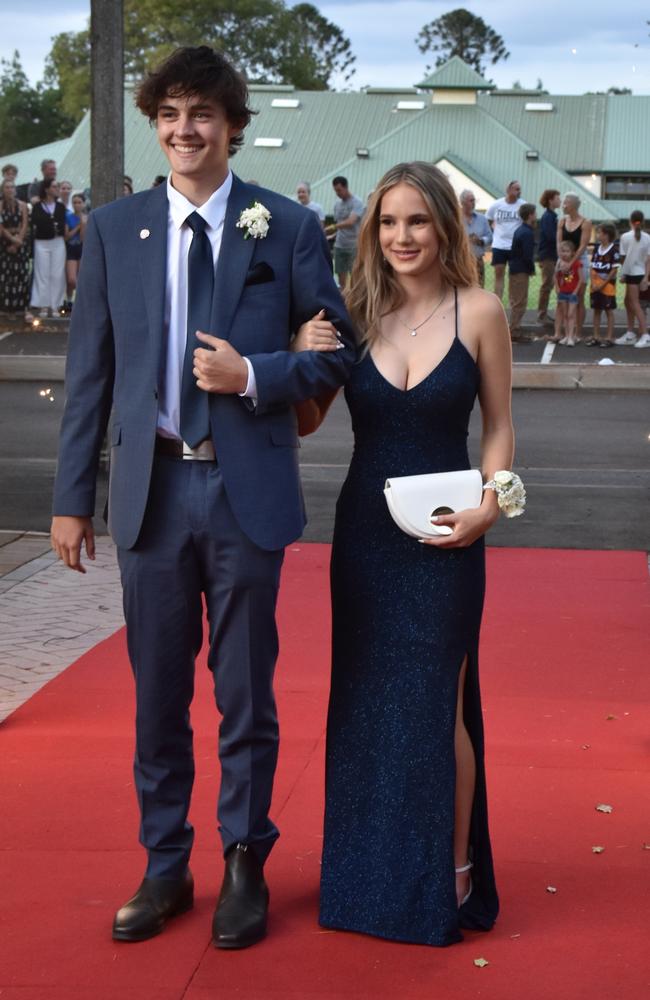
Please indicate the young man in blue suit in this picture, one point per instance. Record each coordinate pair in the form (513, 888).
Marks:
(185, 309)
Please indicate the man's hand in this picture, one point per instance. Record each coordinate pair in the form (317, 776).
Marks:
(221, 369)
(67, 535)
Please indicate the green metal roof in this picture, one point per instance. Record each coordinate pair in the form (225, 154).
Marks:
(455, 75)
(459, 133)
(572, 134)
(320, 137)
(29, 161)
(627, 134)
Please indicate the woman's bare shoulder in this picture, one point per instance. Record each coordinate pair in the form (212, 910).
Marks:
(478, 302)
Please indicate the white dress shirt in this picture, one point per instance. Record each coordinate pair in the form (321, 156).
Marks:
(179, 237)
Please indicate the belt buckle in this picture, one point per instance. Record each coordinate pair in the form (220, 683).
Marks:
(204, 452)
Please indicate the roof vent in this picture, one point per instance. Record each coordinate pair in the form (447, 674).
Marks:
(269, 142)
(363, 152)
(284, 102)
(410, 105)
(538, 106)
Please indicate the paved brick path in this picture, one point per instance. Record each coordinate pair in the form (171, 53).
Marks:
(50, 616)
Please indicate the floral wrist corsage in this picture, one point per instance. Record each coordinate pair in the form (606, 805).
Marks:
(510, 491)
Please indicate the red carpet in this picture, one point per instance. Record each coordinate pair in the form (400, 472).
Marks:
(565, 646)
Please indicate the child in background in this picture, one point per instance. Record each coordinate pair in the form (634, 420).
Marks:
(604, 265)
(567, 283)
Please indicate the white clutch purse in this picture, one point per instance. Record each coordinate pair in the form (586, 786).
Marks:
(413, 500)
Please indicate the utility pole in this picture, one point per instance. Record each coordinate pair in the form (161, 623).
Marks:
(107, 100)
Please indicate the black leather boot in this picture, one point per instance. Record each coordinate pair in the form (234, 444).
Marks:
(240, 917)
(154, 903)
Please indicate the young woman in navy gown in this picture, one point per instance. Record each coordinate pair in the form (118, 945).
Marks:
(407, 851)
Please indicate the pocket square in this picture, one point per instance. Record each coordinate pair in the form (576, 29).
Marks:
(259, 274)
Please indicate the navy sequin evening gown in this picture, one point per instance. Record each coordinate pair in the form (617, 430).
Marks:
(405, 616)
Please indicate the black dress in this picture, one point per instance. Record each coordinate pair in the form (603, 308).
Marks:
(405, 616)
(14, 267)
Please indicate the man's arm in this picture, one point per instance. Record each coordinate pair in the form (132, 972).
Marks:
(89, 392)
(284, 377)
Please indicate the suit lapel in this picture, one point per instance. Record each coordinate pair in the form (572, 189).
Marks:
(151, 233)
(234, 260)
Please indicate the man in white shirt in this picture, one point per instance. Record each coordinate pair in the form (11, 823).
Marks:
(503, 214)
(189, 294)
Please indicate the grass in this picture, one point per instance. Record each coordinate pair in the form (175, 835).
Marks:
(533, 289)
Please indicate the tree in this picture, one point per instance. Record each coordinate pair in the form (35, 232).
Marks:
(68, 67)
(460, 33)
(29, 116)
(268, 40)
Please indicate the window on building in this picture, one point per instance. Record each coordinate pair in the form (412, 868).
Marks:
(628, 187)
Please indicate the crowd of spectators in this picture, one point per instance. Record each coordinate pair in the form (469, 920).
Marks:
(570, 263)
(42, 232)
(42, 226)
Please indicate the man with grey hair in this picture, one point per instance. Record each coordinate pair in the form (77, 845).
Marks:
(48, 170)
(478, 231)
(303, 194)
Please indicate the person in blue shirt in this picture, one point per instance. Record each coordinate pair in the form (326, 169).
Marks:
(522, 265)
(547, 251)
(76, 223)
(478, 229)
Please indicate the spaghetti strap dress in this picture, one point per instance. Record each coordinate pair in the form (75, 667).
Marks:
(404, 617)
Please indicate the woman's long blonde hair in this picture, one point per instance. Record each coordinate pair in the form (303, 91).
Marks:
(374, 290)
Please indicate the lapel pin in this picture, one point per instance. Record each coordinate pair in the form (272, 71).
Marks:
(144, 233)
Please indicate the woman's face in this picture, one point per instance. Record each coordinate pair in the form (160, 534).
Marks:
(66, 190)
(555, 202)
(8, 190)
(78, 204)
(52, 192)
(407, 236)
(569, 205)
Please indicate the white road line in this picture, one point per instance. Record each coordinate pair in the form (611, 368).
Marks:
(547, 354)
(9, 334)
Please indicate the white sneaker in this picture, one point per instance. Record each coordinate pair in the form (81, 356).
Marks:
(629, 337)
(643, 341)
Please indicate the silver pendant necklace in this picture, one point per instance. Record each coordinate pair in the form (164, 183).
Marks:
(413, 330)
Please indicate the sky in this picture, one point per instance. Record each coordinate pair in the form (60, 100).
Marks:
(562, 43)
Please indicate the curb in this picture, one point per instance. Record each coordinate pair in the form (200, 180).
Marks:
(525, 375)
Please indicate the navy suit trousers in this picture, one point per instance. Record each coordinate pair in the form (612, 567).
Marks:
(191, 548)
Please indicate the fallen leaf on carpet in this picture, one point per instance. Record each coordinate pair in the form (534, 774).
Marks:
(608, 718)
(551, 889)
(597, 850)
(602, 808)
(481, 962)
(586, 746)
(513, 936)
(646, 847)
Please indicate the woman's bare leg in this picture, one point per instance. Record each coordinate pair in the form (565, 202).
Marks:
(635, 308)
(465, 786)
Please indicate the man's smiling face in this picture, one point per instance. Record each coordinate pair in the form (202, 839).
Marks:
(194, 134)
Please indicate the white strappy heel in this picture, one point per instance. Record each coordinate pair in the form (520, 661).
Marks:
(461, 871)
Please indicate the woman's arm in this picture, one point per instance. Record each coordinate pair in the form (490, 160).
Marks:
(585, 235)
(497, 439)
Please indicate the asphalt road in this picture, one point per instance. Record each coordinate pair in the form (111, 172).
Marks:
(583, 456)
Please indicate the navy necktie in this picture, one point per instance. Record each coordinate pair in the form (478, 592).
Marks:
(195, 412)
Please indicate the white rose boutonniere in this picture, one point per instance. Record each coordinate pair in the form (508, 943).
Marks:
(255, 220)
(510, 491)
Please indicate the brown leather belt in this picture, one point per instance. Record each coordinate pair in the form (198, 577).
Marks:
(172, 448)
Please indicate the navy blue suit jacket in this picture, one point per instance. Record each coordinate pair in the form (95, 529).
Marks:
(116, 357)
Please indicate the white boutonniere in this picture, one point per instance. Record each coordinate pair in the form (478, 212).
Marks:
(255, 220)
(510, 491)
